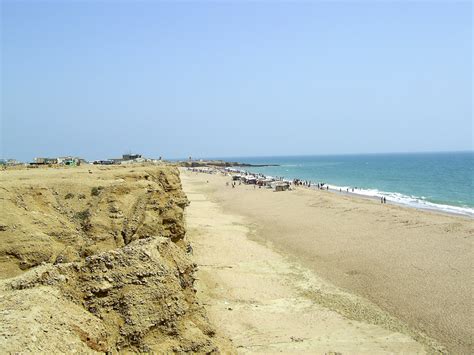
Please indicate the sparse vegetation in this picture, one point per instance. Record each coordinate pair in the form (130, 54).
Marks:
(81, 196)
(69, 196)
(95, 191)
(82, 216)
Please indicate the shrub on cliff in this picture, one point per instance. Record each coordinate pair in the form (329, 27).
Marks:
(95, 191)
(83, 218)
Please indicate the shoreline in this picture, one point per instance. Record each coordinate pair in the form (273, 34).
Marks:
(412, 263)
(436, 207)
(405, 205)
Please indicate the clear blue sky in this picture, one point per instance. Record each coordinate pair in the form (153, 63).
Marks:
(97, 79)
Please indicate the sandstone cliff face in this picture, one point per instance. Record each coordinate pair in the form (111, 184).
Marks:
(64, 215)
(96, 260)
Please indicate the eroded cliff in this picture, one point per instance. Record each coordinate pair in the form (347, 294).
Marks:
(96, 259)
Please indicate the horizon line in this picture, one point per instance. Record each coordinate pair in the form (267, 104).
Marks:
(326, 154)
(287, 156)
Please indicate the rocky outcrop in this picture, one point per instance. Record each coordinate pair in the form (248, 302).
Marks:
(97, 261)
(67, 217)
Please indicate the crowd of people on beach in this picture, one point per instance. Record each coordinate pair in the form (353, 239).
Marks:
(260, 180)
(307, 183)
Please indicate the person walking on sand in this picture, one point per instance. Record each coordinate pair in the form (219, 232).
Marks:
(381, 199)
(384, 200)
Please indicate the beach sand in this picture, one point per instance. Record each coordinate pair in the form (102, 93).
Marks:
(313, 262)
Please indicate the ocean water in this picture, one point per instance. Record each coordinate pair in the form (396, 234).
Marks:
(440, 181)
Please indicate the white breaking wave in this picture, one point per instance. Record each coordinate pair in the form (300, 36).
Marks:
(398, 198)
(412, 201)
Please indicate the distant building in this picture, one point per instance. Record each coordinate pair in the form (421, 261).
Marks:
(45, 161)
(126, 157)
(70, 161)
(10, 162)
(104, 162)
(62, 160)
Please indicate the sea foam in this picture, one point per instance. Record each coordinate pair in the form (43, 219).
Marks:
(411, 201)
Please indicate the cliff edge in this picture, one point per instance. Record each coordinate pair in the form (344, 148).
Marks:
(95, 259)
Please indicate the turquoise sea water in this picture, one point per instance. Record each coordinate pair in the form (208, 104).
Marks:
(427, 180)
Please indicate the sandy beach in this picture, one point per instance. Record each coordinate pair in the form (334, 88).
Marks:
(400, 271)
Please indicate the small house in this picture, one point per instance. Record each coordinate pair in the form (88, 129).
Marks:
(249, 180)
(126, 157)
(45, 161)
(281, 186)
